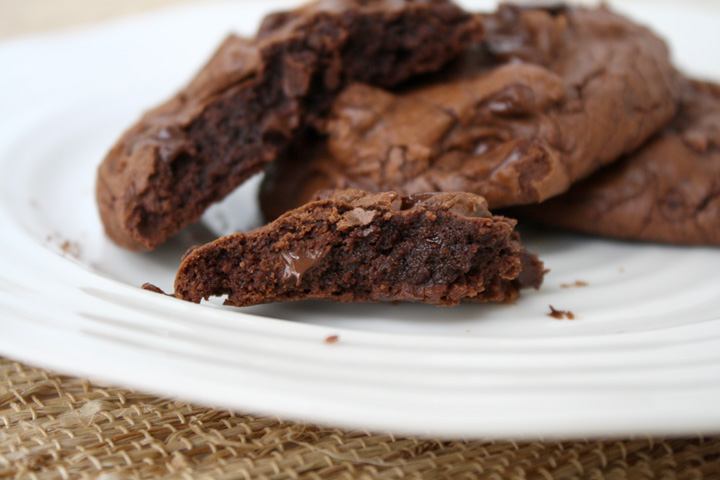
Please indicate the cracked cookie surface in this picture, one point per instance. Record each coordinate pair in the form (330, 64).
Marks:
(550, 96)
(668, 191)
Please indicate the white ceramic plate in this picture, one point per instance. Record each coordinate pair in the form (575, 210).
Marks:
(641, 357)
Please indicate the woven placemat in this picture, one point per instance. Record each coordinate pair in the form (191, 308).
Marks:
(58, 427)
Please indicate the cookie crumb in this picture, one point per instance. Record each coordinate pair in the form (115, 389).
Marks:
(332, 339)
(152, 288)
(71, 248)
(576, 283)
(560, 314)
(67, 247)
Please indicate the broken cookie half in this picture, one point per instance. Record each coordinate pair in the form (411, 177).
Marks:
(352, 246)
(255, 96)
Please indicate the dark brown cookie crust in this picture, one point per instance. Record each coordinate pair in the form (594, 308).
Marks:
(549, 97)
(668, 191)
(351, 246)
(253, 97)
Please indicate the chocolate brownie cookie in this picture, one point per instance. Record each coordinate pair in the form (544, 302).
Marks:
(351, 246)
(549, 96)
(668, 191)
(254, 96)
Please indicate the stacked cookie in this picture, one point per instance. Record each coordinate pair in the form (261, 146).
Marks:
(357, 110)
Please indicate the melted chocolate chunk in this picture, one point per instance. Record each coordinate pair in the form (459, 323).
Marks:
(298, 262)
